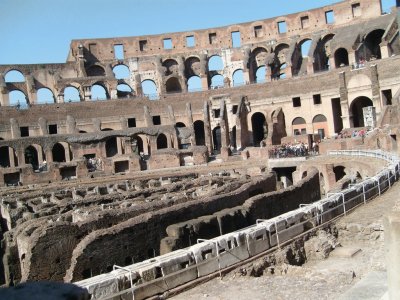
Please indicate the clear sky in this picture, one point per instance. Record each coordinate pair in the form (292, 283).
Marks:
(40, 31)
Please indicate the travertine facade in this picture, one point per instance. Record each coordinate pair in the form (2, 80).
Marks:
(286, 77)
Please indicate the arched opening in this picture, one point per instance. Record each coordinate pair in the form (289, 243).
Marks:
(162, 141)
(71, 94)
(149, 89)
(279, 60)
(32, 157)
(111, 147)
(58, 153)
(299, 126)
(238, 78)
(95, 71)
(121, 72)
(304, 175)
(260, 74)
(259, 128)
(372, 50)
(107, 129)
(194, 84)
(357, 110)
(18, 99)
(5, 159)
(171, 66)
(217, 138)
(137, 145)
(192, 67)
(199, 133)
(215, 63)
(305, 48)
(320, 125)
(217, 81)
(124, 91)
(321, 53)
(173, 85)
(341, 58)
(98, 92)
(45, 96)
(180, 124)
(14, 76)
(339, 172)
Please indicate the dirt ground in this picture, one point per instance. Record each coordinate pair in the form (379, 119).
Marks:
(360, 252)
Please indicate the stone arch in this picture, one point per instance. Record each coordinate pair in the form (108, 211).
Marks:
(61, 152)
(192, 67)
(300, 57)
(98, 92)
(279, 60)
(8, 157)
(260, 74)
(162, 142)
(72, 94)
(124, 91)
(371, 48)
(14, 75)
(339, 172)
(320, 125)
(356, 109)
(149, 89)
(341, 58)
(170, 66)
(137, 145)
(322, 53)
(217, 81)
(34, 155)
(259, 128)
(95, 70)
(194, 84)
(358, 80)
(299, 126)
(215, 63)
(111, 146)
(121, 71)
(199, 133)
(216, 133)
(173, 85)
(238, 78)
(45, 96)
(257, 62)
(180, 124)
(18, 98)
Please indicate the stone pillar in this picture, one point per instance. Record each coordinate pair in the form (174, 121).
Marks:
(224, 125)
(12, 157)
(147, 118)
(392, 246)
(344, 101)
(332, 65)
(49, 154)
(268, 73)
(207, 127)
(119, 146)
(87, 93)
(15, 132)
(43, 126)
(204, 72)
(288, 71)
(67, 156)
(352, 58)
(4, 99)
(384, 50)
(375, 87)
(171, 115)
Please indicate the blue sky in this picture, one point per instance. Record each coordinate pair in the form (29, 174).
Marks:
(40, 31)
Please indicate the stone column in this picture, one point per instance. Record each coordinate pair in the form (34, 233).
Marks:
(352, 58)
(12, 157)
(207, 127)
(344, 101)
(392, 247)
(384, 50)
(204, 72)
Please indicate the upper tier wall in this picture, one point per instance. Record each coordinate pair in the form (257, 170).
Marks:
(266, 30)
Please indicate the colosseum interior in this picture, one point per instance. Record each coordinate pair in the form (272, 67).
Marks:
(117, 156)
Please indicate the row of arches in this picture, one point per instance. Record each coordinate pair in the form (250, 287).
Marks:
(34, 155)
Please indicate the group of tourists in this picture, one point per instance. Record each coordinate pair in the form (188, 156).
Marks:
(293, 150)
